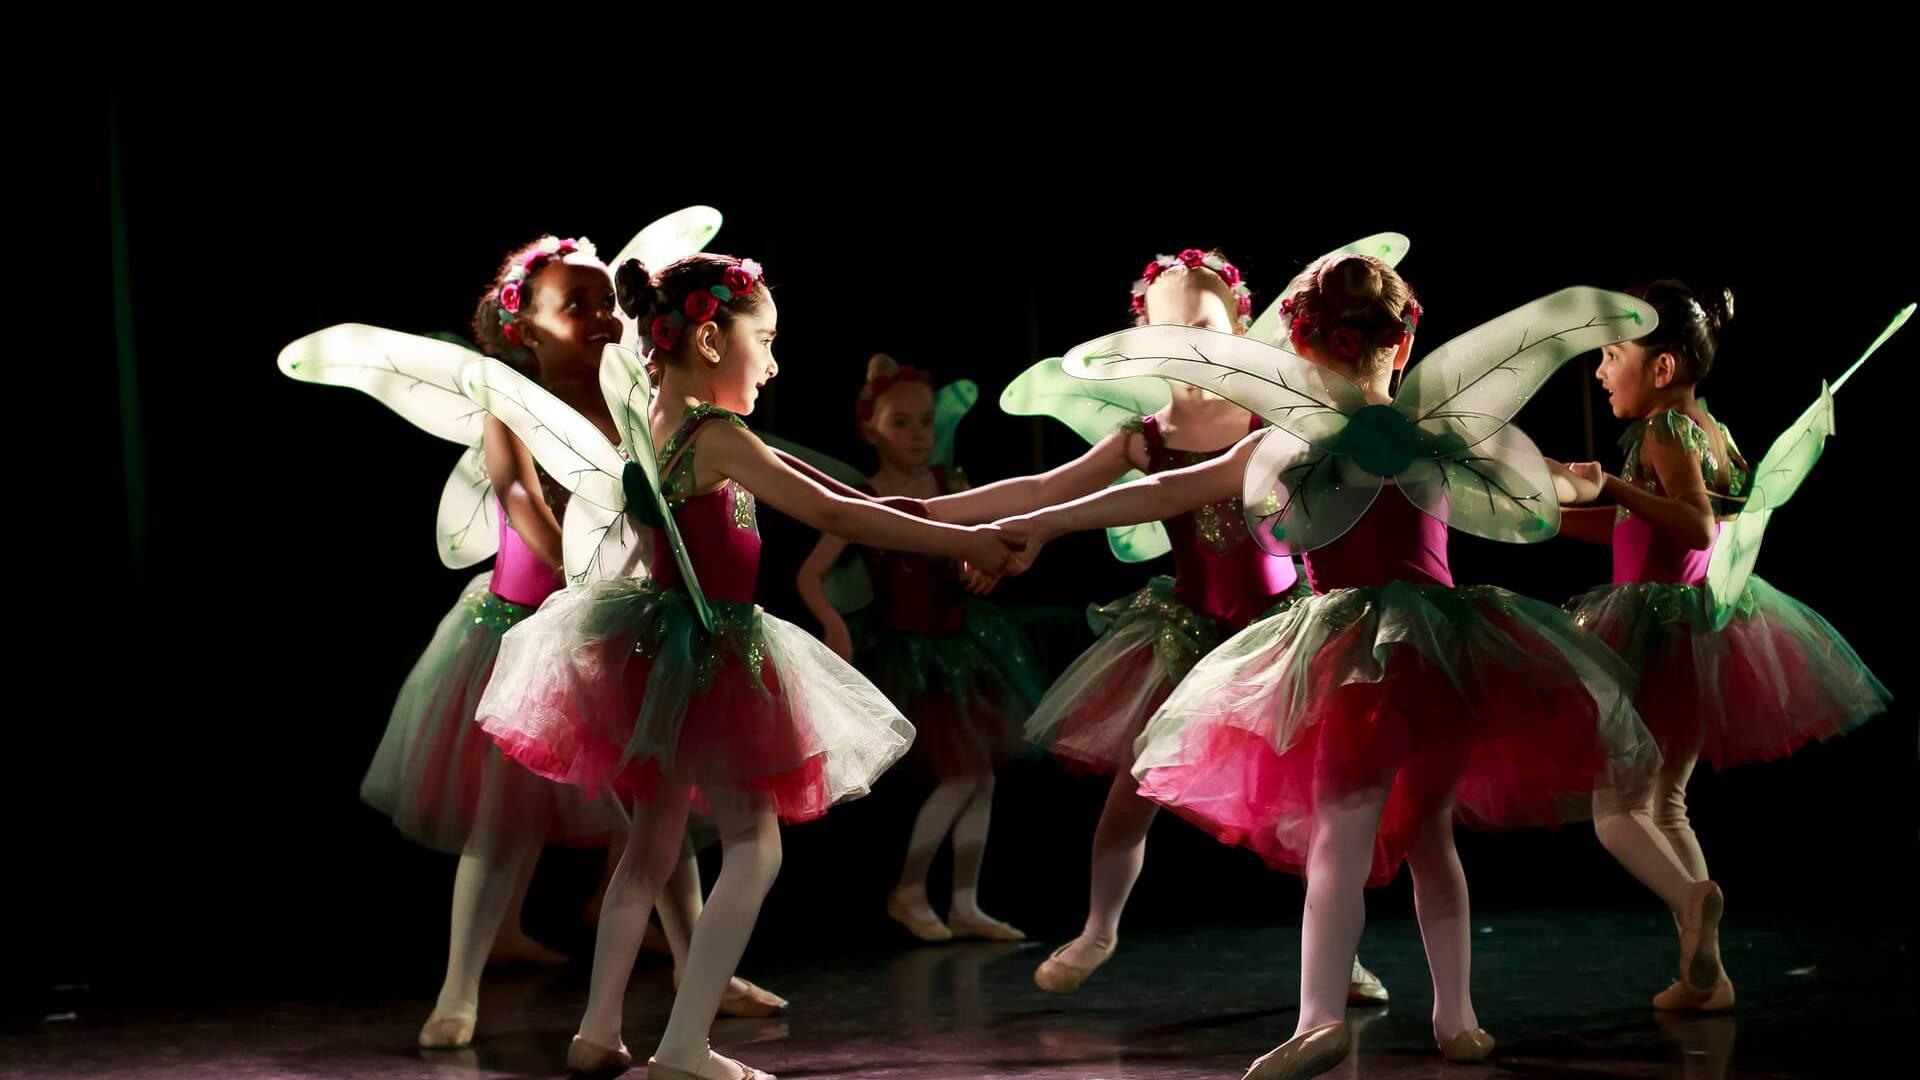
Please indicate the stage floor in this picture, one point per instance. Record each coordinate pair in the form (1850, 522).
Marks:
(1565, 993)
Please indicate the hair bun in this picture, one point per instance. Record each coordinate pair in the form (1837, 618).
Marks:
(633, 287)
(1719, 309)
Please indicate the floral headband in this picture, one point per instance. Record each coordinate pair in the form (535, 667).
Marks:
(1346, 342)
(512, 292)
(1195, 259)
(737, 281)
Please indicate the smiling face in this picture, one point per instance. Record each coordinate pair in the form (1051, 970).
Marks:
(569, 318)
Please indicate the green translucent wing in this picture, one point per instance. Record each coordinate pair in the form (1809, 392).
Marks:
(566, 445)
(826, 463)
(950, 406)
(467, 526)
(419, 378)
(1775, 480)
(1298, 497)
(1473, 385)
(1498, 488)
(1093, 411)
(668, 240)
(1290, 392)
(629, 394)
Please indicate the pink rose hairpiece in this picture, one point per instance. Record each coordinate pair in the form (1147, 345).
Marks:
(1346, 342)
(737, 281)
(1195, 259)
(513, 291)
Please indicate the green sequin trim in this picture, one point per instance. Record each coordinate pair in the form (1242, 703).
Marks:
(677, 485)
(1673, 426)
(495, 612)
(1659, 611)
(989, 645)
(1181, 635)
(737, 630)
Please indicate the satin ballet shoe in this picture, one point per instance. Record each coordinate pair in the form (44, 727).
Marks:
(657, 1071)
(985, 929)
(1364, 987)
(446, 1032)
(1683, 998)
(925, 927)
(589, 1058)
(1700, 939)
(1309, 1053)
(745, 1001)
(1467, 1047)
(1056, 976)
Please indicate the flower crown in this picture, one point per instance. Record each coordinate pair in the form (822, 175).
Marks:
(1195, 259)
(703, 306)
(512, 292)
(1344, 341)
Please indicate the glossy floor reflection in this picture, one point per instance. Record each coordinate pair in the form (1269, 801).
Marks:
(1565, 992)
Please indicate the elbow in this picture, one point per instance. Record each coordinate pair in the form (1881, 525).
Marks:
(1700, 534)
(833, 517)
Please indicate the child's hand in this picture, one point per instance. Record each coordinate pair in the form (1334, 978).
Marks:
(1579, 483)
(988, 547)
(975, 582)
(1033, 538)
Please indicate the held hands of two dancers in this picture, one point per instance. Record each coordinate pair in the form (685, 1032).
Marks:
(1005, 548)
(1578, 483)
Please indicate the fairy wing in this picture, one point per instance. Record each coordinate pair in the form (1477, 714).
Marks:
(1305, 401)
(1297, 497)
(629, 394)
(419, 378)
(1499, 489)
(672, 238)
(1470, 387)
(1292, 393)
(1093, 411)
(1779, 475)
(826, 463)
(566, 445)
(950, 406)
(1449, 441)
(467, 526)
(668, 240)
